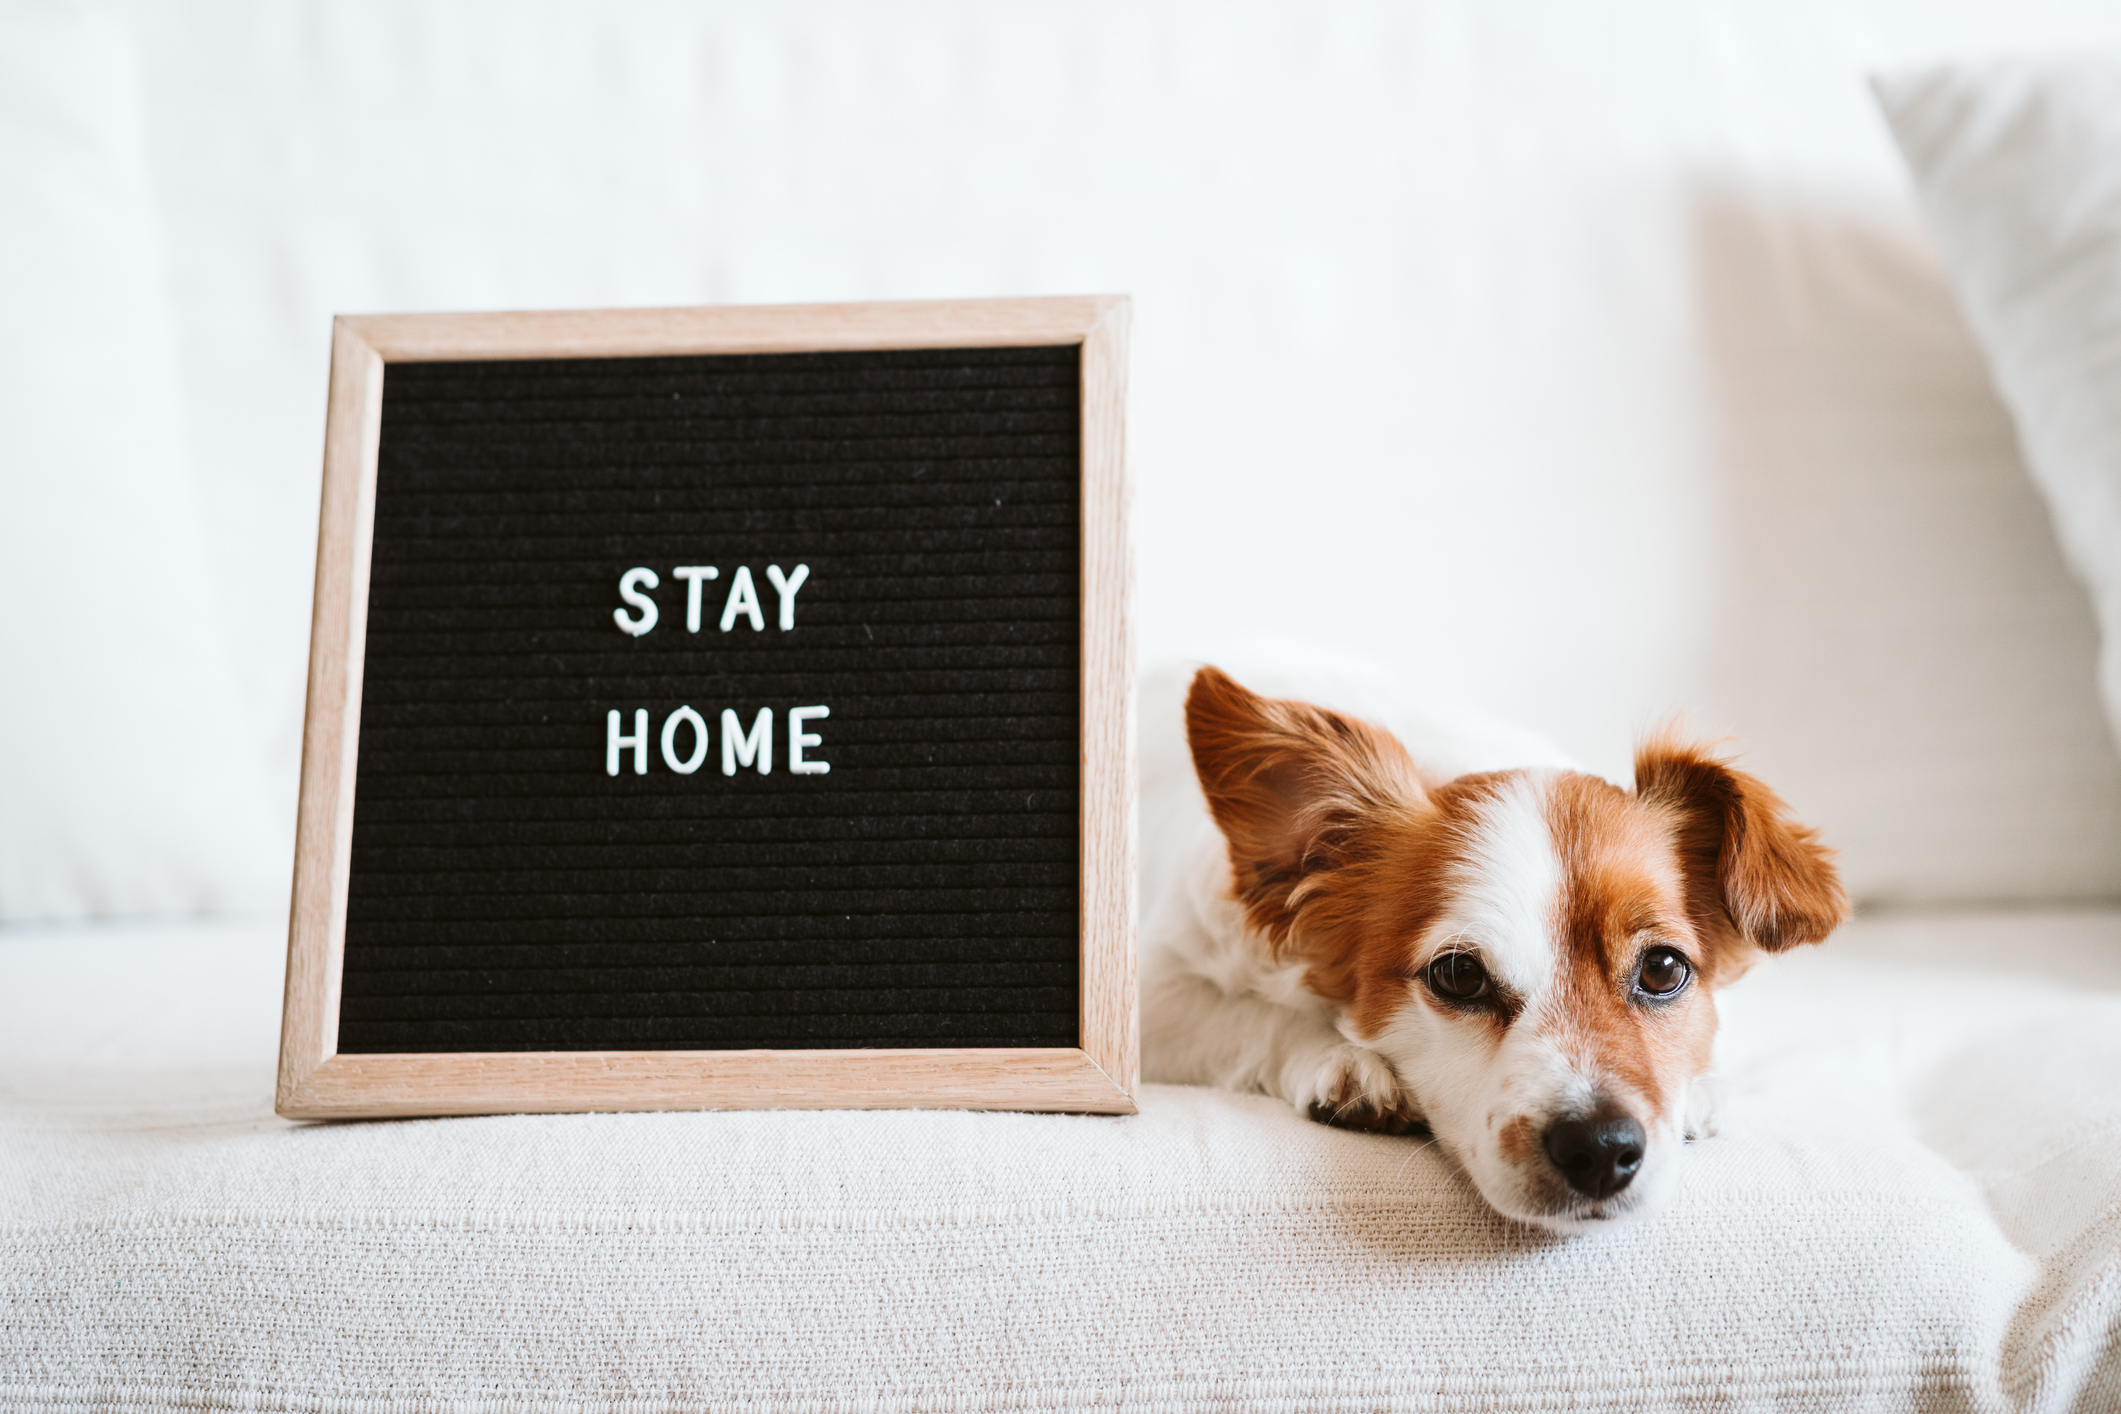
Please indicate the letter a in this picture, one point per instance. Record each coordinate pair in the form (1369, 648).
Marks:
(743, 599)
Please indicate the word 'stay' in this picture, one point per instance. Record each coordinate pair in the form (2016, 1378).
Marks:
(742, 603)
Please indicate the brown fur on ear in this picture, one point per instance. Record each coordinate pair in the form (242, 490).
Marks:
(1745, 856)
(1297, 790)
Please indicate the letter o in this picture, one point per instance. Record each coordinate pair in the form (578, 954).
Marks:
(670, 741)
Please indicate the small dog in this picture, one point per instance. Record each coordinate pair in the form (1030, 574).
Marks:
(1519, 961)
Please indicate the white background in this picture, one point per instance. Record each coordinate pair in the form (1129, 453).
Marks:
(1586, 362)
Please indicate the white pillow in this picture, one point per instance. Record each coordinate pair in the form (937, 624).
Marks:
(2019, 166)
(130, 781)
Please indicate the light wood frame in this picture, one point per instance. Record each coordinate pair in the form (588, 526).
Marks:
(1100, 1076)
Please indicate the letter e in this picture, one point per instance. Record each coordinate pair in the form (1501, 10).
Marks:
(798, 739)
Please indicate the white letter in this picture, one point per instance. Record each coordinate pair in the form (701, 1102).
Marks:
(630, 592)
(638, 741)
(738, 748)
(743, 599)
(798, 739)
(670, 741)
(692, 575)
(787, 588)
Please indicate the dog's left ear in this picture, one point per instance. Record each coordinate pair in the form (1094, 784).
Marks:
(1744, 855)
(1297, 790)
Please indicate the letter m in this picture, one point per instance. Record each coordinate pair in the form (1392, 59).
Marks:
(740, 749)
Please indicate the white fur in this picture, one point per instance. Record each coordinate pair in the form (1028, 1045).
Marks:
(1507, 894)
(1217, 1010)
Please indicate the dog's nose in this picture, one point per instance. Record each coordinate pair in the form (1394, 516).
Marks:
(1598, 1155)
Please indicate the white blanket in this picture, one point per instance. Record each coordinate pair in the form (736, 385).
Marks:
(1916, 1204)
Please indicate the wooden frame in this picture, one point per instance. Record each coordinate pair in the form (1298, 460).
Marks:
(1101, 1076)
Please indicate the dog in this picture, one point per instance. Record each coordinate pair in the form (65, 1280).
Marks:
(1519, 962)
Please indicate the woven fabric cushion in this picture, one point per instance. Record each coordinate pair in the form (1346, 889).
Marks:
(1914, 1205)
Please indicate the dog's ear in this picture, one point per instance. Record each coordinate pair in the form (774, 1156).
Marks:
(1744, 855)
(1296, 790)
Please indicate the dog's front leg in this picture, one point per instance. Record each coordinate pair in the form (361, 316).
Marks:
(1196, 1033)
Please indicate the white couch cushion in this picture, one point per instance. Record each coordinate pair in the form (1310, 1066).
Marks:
(1913, 1206)
(130, 776)
(2019, 165)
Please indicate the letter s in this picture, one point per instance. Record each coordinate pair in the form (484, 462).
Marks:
(629, 590)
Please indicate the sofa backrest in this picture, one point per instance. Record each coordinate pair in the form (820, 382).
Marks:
(1588, 368)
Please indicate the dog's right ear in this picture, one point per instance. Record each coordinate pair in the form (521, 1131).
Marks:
(1745, 855)
(1296, 790)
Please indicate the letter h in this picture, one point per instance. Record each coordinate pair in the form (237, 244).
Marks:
(638, 741)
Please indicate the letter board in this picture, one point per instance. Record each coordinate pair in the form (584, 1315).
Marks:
(719, 707)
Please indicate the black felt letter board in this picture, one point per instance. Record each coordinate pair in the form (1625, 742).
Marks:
(509, 894)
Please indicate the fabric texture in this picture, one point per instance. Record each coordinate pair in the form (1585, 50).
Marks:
(2019, 165)
(1915, 1204)
(130, 776)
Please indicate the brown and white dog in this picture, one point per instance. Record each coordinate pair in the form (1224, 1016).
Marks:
(1520, 961)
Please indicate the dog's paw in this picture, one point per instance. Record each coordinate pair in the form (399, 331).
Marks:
(1704, 1100)
(1356, 1088)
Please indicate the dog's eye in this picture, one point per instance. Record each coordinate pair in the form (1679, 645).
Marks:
(1458, 977)
(1663, 972)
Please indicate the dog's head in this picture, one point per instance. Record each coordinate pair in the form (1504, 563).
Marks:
(1533, 950)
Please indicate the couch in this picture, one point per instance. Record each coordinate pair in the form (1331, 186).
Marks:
(1584, 365)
